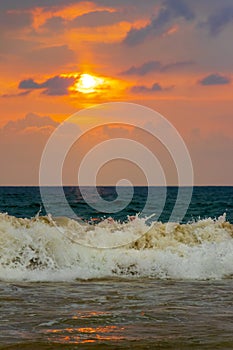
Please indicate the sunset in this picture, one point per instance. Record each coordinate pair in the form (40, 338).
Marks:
(116, 182)
(88, 83)
(59, 57)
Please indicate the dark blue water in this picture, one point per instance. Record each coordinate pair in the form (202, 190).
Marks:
(206, 202)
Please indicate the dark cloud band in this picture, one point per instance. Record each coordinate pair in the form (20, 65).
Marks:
(156, 66)
(55, 86)
(215, 79)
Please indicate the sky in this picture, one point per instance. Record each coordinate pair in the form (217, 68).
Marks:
(60, 56)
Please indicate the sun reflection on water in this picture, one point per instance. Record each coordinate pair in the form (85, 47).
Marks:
(81, 335)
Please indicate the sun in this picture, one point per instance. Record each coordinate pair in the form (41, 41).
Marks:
(87, 83)
(93, 86)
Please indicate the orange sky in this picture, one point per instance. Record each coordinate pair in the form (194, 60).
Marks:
(173, 56)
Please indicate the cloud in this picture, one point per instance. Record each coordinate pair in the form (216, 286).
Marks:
(172, 9)
(176, 66)
(23, 93)
(219, 20)
(58, 85)
(96, 19)
(152, 66)
(156, 87)
(30, 120)
(30, 84)
(28, 4)
(55, 86)
(179, 8)
(215, 79)
(143, 69)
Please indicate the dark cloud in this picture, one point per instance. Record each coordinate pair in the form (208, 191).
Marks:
(55, 86)
(157, 66)
(172, 9)
(143, 69)
(145, 89)
(176, 66)
(215, 79)
(219, 20)
(29, 84)
(179, 8)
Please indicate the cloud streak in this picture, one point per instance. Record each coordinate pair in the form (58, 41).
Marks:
(156, 87)
(19, 94)
(156, 66)
(143, 69)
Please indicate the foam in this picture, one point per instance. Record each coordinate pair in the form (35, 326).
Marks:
(49, 249)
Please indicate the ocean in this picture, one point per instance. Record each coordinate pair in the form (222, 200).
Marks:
(84, 278)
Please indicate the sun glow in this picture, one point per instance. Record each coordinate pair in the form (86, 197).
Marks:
(93, 87)
(88, 83)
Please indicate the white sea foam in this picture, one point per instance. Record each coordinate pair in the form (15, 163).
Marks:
(46, 249)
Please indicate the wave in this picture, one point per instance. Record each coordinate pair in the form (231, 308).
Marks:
(62, 249)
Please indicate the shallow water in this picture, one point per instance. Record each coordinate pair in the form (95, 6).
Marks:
(136, 313)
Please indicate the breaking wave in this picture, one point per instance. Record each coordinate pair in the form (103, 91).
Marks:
(61, 249)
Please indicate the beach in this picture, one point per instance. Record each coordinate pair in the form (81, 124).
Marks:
(167, 288)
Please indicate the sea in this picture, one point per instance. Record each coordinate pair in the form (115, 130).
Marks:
(77, 277)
